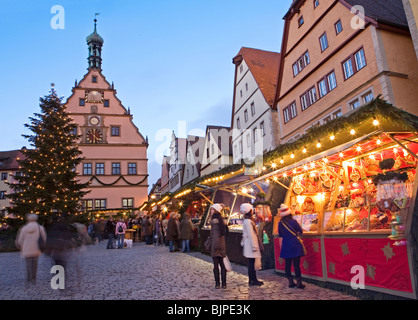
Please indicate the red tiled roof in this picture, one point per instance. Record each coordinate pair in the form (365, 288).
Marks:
(8, 159)
(264, 66)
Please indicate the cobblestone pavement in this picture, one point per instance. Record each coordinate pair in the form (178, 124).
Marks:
(145, 272)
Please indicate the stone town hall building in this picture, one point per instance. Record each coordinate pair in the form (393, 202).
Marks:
(114, 151)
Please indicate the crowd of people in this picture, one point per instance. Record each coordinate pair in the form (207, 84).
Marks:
(173, 230)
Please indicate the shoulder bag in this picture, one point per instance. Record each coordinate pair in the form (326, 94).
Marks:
(300, 240)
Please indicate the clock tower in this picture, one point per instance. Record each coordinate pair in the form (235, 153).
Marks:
(115, 152)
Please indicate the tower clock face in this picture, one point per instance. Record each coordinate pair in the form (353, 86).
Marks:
(94, 136)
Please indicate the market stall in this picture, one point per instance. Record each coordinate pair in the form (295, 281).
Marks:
(352, 189)
(232, 196)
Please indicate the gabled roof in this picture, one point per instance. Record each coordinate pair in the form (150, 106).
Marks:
(264, 66)
(389, 12)
(383, 11)
(9, 159)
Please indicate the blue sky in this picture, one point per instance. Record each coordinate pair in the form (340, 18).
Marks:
(170, 60)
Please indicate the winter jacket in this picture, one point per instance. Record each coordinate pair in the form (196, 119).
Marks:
(172, 230)
(291, 247)
(148, 227)
(186, 229)
(218, 246)
(249, 240)
(27, 239)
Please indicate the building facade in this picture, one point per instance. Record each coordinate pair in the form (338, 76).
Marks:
(217, 149)
(177, 162)
(338, 55)
(114, 151)
(9, 167)
(254, 120)
(194, 151)
(411, 11)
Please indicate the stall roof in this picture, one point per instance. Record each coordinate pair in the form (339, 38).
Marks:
(376, 120)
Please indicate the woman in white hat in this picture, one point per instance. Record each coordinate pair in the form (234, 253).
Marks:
(218, 230)
(251, 243)
(291, 250)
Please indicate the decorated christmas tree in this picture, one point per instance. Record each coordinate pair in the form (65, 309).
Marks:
(48, 183)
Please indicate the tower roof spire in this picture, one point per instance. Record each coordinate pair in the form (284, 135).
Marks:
(95, 43)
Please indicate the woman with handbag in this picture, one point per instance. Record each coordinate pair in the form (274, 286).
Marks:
(252, 244)
(218, 230)
(292, 248)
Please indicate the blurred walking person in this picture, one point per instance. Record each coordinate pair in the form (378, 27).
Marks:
(27, 243)
(120, 233)
(218, 230)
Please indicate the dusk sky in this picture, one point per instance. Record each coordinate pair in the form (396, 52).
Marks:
(170, 61)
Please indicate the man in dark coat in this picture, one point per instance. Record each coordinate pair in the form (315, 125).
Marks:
(172, 232)
(110, 230)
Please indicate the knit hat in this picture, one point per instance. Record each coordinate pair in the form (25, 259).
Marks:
(246, 207)
(217, 207)
(284, 210)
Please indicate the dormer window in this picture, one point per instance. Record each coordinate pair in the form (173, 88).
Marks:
(94, 79)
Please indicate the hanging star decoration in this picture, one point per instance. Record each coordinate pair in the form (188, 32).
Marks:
(281, 260)
(344, 248)
(331, 268)
(305, 264)
(315, 246)
(371, 271)
(388, 251)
